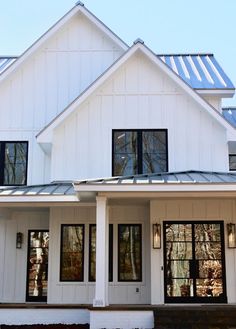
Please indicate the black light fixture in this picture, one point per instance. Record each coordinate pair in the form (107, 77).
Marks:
(19, 240)
(231, 235)
(156, 236)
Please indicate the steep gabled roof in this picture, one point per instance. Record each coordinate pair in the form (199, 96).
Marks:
(45, 135)
(229, 113)
(201, 71)
(78, 8)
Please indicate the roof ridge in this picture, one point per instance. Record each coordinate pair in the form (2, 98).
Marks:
(185, 54)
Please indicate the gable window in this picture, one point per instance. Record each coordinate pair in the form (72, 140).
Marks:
(13, 163)
(129, 252)
(232, 162)
(139, 152)
(72, 253)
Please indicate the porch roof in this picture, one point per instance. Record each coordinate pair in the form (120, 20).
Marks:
(180, 177)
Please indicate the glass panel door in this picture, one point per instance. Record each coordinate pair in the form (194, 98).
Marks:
(37, 267)
(194, 262)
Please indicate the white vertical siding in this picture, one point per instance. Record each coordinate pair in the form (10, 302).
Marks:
(83, 292)
(49, 80)
(13, 262)
(195, 140)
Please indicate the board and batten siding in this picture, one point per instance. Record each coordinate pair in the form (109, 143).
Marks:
(190, 210)
(84, 292)
(137, 96)
(13, 262)
(48, 81)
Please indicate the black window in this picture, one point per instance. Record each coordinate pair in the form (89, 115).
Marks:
(232, 162)
(72, 253)
(13, 163)
(129, 252)
(139, 152)
(92, 252)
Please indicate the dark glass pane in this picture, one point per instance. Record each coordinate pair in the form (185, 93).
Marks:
(72, 260)
(179, 232)
(154, 151)
(179, 250)
(210, 269)
(232, 162)
(208, 250)
(125, 153)
(15, 163)
(130, 265)
(207, 232)
(209, 288)
(38, 264)
(92, 252)
(180, 288)
(125, 164)
(178, 269)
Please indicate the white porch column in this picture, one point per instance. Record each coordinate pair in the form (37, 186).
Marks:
(102, 244)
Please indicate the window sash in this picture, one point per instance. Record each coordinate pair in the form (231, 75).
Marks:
(72, 252)
(139, 151)
(129, 252)
(13, 163)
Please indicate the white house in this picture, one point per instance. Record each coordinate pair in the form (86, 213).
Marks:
(115, 178)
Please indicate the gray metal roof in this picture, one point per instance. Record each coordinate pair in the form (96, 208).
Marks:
(5, 62)
(200, 71)
(183, 177)
(52, 189)
(229, 113)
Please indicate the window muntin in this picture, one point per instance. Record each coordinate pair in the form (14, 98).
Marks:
(139, 151)
(92, 252)
(129, 252)
(13, 163)
(72, 253)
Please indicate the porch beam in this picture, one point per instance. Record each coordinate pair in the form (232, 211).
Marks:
(102, 238)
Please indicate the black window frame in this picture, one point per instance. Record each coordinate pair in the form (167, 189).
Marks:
(2, 161)
(140, 254)
(139, 148)
(110, 255)
(61, 252)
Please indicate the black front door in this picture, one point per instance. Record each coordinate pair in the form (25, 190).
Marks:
(194, 262)
(37, 266)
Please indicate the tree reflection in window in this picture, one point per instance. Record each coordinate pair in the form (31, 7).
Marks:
(72, 253)
(37, 265)
(129, 252)
(13, 163)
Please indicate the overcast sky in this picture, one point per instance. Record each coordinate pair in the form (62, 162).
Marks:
(174, 26)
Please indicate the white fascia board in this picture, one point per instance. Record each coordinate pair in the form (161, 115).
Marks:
(38, 43)
(46, 133)
(224, 93)
(38, 199)
(169, 187)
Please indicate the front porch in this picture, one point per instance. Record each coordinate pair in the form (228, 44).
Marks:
(119, 316)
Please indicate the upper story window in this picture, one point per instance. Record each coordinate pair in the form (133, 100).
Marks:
(232, 162)
(139, 152)
(13, 163)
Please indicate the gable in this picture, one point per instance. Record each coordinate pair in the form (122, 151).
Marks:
(58, 67)
(175, 83)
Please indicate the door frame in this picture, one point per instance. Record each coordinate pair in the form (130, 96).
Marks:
(195, 299)
(28, 297)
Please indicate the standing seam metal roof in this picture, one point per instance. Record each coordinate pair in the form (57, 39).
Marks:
(200, 71)
(229, 113)
(5, 62)
(182, 177)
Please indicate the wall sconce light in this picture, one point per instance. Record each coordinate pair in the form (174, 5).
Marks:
(231, 235)
(19, 240)
(156, 236)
